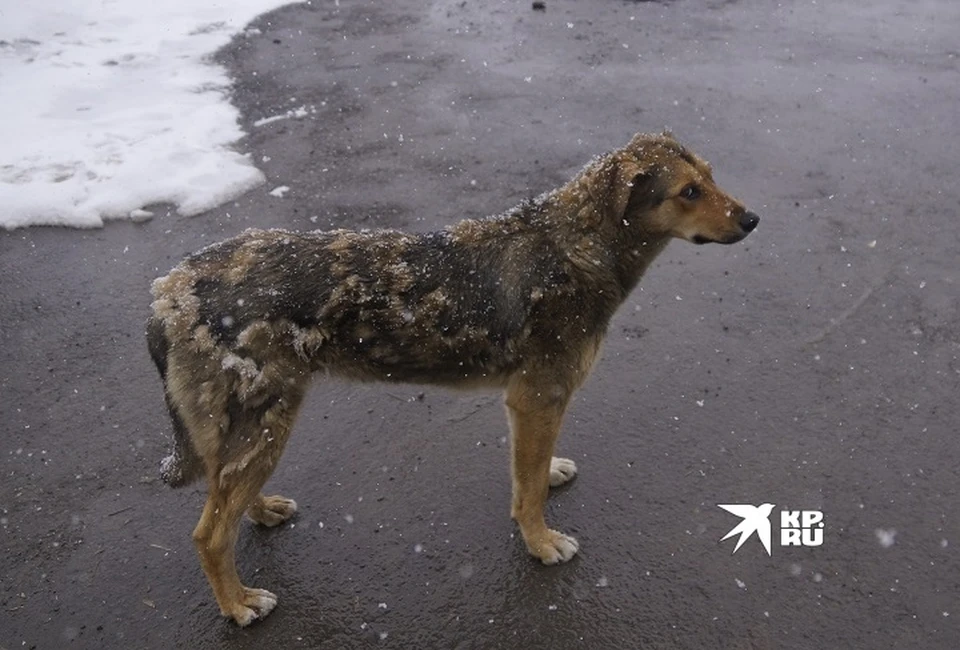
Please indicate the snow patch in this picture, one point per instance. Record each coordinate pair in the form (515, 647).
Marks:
(110, 107)
(294, 113)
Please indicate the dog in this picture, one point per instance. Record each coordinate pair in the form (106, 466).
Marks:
(518, 302)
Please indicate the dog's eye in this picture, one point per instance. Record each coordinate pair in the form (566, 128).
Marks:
(690, 192)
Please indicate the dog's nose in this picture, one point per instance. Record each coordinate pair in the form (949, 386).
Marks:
(748, 221)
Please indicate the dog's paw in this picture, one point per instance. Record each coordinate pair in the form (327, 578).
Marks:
(272, 511)
(256, 603)
(561, 471)
(554, 548)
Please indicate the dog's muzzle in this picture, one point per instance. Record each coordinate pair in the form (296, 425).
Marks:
(747, 222)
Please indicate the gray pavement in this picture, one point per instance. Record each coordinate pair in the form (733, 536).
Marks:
(815, 366)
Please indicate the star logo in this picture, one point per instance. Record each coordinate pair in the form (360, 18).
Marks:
(756, 519)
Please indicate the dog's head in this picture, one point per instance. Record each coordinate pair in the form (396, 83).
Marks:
(663, 189)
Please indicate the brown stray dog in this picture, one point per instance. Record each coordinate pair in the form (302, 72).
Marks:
(518, 302)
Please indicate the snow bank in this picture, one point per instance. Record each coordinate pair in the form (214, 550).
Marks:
(110, 105)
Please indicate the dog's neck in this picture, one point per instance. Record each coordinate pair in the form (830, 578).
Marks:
(636, 257)
(612, 253)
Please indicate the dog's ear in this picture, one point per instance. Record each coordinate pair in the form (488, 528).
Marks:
(633, 184)
(645, 192)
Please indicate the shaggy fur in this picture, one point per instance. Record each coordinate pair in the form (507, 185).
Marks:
(518, 302)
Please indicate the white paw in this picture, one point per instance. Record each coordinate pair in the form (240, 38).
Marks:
(257, 603)
(260, 600)
(557, 548)
(273, 511)
(561, 471)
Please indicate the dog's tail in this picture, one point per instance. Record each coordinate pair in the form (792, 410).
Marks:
(183, 466)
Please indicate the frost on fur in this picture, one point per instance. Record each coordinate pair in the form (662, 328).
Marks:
(171, 469)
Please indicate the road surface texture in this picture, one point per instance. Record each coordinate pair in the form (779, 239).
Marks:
(815, 366)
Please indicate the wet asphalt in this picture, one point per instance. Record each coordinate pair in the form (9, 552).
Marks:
(814, 366)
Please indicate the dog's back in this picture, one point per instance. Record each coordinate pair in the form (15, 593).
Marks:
(444, 307)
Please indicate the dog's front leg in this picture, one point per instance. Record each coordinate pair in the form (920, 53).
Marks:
(536, 413)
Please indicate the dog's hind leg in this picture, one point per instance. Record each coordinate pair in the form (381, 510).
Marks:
(535, 418)
(234, 489)
(215, 538)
